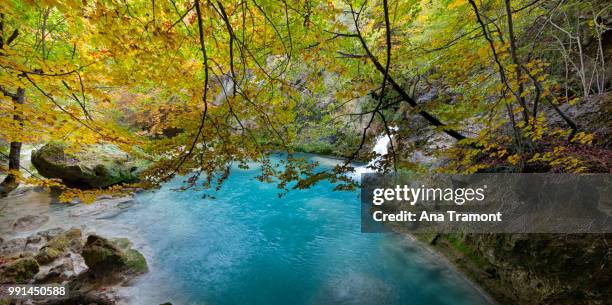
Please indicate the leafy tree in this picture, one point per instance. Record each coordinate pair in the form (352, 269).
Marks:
(198, 86)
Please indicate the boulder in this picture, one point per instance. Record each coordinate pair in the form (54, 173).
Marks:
(106, 258)
(134, 260)
(19, 271)
(94, 166)
(101, 256)
(63, 269)
(57, 245)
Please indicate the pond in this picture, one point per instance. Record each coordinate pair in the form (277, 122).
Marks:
(248, 246)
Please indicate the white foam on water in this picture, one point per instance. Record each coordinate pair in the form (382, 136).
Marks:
(381, 148)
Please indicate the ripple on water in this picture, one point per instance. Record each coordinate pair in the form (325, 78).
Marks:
(248, 246)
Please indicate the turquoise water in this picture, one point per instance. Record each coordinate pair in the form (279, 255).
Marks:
(247, 246)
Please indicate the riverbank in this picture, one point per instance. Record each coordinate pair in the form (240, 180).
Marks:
(466, 262)
(454, 260)
(531, 268)
(64, 244)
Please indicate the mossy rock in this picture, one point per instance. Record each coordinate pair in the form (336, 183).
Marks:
(104, 257)
(47, 255)
(94, 166)
(63, 240)
(19, 271)
(58, 244)
(136, 262)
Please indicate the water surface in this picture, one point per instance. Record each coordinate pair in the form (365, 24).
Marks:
(247, 246)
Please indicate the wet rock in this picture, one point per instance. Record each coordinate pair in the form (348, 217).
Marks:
(101, 256)
(35, 239)
(29, 222)
(106, 258)
(18, 271)
(134, 259)
(61, 270)
(70, 239)
(103, 197)
(135, 262)
(7, 186)
(53, 275)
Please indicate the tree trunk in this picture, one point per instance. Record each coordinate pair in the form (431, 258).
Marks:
(517, 63)
(10, 182)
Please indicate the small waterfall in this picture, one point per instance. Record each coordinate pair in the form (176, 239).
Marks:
(381, 148)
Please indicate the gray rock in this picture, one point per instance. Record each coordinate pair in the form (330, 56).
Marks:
(62, 270)
(50, 233)
(29, 222)
(12, 247)
(19, 271)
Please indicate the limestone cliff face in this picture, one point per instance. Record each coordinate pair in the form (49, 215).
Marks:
(545, 268)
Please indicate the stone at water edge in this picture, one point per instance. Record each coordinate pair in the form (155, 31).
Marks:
(134, 260)
(19, 271)
(95, 166)
(59, 244)
(101, 256)
(104, 257)
(64, 269)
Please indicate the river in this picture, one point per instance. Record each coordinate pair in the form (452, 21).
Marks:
(248, 246)
(245, 245)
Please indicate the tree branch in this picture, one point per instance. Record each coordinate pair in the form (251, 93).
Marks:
(204, 95)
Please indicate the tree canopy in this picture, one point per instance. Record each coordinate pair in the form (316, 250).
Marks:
(197, 86)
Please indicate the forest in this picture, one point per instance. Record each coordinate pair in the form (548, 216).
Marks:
(115, 97)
